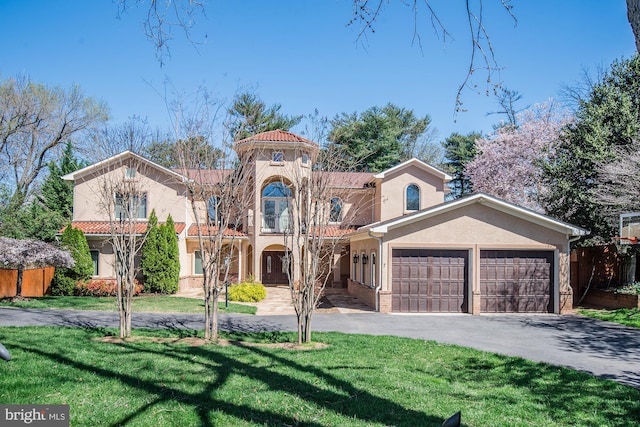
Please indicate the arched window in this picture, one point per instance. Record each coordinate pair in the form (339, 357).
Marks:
(335, 213)
(412, 198)
(275, 207)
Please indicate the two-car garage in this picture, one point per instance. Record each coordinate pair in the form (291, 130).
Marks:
(437, 281)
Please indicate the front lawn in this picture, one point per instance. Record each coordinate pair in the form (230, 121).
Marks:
(150, 304)
(355, 380)
(623, 316)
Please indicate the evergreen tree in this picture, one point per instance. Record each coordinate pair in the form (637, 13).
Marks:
(380, 138)
(460, 150)
(172, 262)
(249, 115)
(65, 279)
(160, 260)
(56, 194)
(607, 121)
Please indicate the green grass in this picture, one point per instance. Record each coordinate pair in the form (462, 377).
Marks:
(355, 381)
(151, 304)
(623, 316)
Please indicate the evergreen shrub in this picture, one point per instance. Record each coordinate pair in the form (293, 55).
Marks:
(160, 261)
(65, 279)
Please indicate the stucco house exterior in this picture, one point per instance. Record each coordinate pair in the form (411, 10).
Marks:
(402, 247)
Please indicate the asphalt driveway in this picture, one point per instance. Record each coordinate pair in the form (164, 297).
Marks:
(600, 348)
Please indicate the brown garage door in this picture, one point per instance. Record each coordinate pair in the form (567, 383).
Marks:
(516, 281)
(427, 280)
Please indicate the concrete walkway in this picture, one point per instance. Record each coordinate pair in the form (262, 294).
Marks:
(278, 301)
(600, 348)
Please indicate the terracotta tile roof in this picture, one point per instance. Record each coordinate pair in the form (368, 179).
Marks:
(193, 231)
(104, 227)
(276, 136)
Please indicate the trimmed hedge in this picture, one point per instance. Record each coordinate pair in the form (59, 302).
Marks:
(247, 292)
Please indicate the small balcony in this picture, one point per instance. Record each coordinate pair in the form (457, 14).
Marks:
(276, 223)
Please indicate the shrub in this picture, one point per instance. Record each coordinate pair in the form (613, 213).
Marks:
(160, 261)
(64, 279)
(632, 289)
(102, 288)
(247, 292)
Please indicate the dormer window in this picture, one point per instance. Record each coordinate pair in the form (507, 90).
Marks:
(277, 157)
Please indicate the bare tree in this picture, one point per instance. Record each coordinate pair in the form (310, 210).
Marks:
(35, 123)
(218, 199)
(618, 189)
(122, 195)
(316, 229)
(133, 135)
(163, 17)
(482, 55)
(633, 15)
(218, 189)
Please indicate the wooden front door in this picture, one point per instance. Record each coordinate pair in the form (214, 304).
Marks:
(273, 269)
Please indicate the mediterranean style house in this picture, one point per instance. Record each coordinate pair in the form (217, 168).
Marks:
(403, 248)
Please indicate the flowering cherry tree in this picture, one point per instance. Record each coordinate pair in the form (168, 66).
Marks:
(23, 254)
(509, 163)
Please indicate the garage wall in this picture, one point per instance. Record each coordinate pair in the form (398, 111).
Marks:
(476, 228)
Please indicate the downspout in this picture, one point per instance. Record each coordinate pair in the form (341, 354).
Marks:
(379, 285)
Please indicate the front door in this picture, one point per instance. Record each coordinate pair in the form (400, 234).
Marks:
(273, 269)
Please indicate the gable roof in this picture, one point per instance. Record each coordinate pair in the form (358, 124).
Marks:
(119, 158)
(418, 163)
(484, 199)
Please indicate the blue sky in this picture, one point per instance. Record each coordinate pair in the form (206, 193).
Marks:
(302, 55)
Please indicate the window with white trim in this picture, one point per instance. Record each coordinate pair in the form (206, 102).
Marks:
(412, 198)
(130, 206)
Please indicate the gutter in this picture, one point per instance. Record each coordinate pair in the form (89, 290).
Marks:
(379, 285)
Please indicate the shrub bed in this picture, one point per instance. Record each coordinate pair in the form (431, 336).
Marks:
(102, 288)
(247, 292)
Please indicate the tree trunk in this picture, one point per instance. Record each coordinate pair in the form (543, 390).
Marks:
(214, 315)
(19, 283)
(633, 15)
(207, 314)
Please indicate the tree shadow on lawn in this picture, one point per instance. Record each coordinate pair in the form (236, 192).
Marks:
(341, 398)
(565, 393)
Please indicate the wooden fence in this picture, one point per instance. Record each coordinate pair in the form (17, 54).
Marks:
(35, 282)
(602, 266)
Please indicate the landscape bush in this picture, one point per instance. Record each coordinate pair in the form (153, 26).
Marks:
(247, 292)
(102, 288)
(65, 279)
(160, 262)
